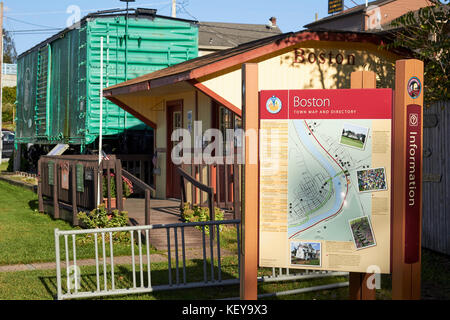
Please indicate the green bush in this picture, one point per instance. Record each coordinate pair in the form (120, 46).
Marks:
(200, 214)
(9, 95)
(100, 218)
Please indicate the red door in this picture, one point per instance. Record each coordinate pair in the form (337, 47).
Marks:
(174, 121)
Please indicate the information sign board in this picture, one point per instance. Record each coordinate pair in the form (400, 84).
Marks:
(325, 175)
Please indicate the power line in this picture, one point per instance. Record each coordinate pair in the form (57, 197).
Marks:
(356, 4)
(34, 30)
(34, 33)
(85, 10)
(183, 6)
(31, 24)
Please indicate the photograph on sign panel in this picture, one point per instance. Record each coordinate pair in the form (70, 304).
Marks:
(354, 136)
(370, 180)
(362, 232)
(306, 253)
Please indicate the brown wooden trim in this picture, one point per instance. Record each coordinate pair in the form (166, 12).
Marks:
(135, 87)
(216, 97)
(196, 105)
(132, 112)
(250, 200)
(169, 104)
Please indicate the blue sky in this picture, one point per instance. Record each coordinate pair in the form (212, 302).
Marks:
(47, 15)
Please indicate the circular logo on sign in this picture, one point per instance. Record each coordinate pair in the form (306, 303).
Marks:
(414, 87)
(273, 105)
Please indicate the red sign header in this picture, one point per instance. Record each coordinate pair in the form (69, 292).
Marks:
(326, 104)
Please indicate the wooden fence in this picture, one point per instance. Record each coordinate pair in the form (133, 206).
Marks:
(436, 184)
(71, 183)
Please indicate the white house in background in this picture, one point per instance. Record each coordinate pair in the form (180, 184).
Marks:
(9, 75)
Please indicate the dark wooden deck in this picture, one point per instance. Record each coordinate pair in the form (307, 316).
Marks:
(163, 212)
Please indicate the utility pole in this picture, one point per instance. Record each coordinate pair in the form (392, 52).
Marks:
(1, 84)
(174, 8)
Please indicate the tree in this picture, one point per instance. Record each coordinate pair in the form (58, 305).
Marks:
(9, 98)
(426, 33)
(9, 48)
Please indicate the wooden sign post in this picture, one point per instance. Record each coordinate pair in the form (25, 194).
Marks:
(407, 178)
(250, 198)
(358, 289)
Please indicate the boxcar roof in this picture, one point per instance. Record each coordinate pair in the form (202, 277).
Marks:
(138, 13)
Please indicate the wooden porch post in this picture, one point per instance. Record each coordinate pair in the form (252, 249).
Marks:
(55, 190)
(119, 185)
(250, 198)
(40, 197)
(74, 194)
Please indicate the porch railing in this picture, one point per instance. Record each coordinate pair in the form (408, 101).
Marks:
(71, 184)
(220, 181)
(138, 183)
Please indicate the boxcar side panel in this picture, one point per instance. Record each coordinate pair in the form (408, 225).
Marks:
(152, 44)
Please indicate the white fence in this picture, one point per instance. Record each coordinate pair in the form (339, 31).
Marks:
(106, 283)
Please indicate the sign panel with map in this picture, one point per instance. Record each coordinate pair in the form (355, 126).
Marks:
(325, 174)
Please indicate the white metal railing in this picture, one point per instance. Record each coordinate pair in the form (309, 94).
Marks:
(105, 283)
(107, 287)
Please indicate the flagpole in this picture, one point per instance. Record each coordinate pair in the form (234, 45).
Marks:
(100, 139)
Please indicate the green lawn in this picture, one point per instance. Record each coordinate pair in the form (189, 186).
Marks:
(28, 236)
(41, 285)
(352, 142)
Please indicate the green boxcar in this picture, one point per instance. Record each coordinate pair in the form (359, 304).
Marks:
(58, 91)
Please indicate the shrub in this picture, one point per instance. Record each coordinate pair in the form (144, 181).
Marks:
(200, 214)
(100, 218)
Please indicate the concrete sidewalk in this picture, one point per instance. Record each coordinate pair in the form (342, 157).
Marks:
(119, 260)
(82, 262)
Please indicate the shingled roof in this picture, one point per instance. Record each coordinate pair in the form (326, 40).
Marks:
(221, 34)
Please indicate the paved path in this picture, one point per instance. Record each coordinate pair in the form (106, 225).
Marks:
(82, 262)
(193, 253)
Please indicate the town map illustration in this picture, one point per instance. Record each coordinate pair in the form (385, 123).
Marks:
(330, 177)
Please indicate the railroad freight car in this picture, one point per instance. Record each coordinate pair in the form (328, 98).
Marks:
(58, 91)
